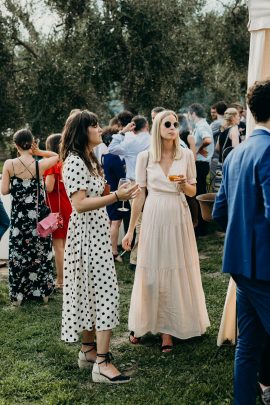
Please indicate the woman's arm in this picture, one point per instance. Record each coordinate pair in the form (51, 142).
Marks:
(185, 187)
(45, 164)
(49, 182)
(189, 189)
(5, 186)
(81, 203)
(43, 153)
(191, 142)
(136, 209)
(234, 135)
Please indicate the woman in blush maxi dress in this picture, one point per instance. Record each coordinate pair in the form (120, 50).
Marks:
(167, 294)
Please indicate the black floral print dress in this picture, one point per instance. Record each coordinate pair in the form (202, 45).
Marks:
(30, 257)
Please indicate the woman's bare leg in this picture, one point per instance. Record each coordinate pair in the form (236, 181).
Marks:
(59, 248)
(103, 346)
(89, 337)
(166, 341)
(115, 225)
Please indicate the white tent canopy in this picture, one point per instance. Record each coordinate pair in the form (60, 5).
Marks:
(259, 55)
(259, 69)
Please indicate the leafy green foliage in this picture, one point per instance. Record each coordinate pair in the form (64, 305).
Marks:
(142, 53)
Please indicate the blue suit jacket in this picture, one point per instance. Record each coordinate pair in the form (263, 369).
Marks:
(243, 206)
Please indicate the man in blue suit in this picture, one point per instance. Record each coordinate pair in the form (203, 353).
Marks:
(242, 206)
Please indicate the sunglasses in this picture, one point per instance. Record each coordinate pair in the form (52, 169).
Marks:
(168, 124)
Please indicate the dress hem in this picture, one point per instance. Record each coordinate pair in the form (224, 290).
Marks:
(171, 333)
(88, 329)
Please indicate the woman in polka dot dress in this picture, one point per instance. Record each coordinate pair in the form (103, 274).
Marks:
(90, 302)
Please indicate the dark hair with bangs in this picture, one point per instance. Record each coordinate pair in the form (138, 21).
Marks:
(23, 138)
(75, 138)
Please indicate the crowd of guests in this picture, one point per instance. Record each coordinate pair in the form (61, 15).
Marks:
(95, 179)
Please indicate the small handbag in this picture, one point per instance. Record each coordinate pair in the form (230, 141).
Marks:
(50, 223)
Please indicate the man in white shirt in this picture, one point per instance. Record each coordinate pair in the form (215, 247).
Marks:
(204, 143)
(133, 139)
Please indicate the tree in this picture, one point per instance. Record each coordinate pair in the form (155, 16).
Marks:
(142, 53)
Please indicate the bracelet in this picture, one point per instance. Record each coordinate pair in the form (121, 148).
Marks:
(117, 198)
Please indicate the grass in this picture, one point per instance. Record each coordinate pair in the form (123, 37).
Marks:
(37, 368)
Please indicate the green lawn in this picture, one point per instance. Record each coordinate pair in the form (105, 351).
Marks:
(37, 368)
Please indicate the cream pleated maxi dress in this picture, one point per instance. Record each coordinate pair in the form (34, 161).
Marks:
(167, 295)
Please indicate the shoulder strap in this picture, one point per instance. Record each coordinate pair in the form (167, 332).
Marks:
(38, 186)
(226, 139)
(13, 167)
(147, 162)
(26, 167)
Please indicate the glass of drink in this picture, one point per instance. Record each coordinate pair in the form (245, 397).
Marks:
(127, 182)
(174, 177)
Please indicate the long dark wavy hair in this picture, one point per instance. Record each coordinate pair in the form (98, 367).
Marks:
(75, 138)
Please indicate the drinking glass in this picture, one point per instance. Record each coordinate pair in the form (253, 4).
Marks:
(127, 182)
(174, 177)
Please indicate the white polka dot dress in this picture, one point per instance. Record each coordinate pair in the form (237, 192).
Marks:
(90, 296)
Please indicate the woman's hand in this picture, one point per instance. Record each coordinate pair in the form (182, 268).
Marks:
(43, 153)
(35, 149)
(127, 240)
(124, 192)
(182, 182)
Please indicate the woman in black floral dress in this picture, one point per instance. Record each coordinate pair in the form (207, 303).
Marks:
(30, 257)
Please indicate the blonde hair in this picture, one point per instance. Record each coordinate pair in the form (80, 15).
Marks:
(156, 144)
(229, 114)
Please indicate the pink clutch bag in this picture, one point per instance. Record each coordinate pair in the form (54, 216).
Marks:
(48, 225)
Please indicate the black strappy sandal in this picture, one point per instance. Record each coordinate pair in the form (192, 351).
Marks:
(166, 347)
(132, 335)
(98, 377)
(82, 361)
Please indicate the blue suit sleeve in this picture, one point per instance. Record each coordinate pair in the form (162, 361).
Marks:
(220, 210)
(264, 180)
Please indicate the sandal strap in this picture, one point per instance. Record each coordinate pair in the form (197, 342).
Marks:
(108, 357)
(92, 344)
(167, 347)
